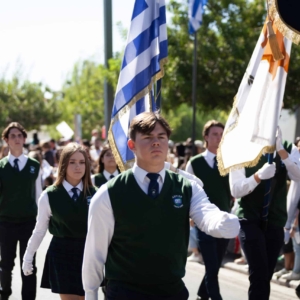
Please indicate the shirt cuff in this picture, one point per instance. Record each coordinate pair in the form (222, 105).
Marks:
(92, 295)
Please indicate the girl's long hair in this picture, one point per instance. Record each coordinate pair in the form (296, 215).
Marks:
(65, 155)
(100, 163)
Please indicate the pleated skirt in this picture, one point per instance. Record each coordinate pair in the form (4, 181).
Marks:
(63, 265)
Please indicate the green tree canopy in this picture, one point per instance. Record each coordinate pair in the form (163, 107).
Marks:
(226, 41)
(83, 94)
(24, 102)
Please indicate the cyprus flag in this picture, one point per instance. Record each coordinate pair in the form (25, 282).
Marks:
(251, 127)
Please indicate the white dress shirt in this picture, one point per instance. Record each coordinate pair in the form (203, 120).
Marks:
(21, 163)
(293, 198)
(43, 218)
(209, 158)
(101, 220)
(240, 185)
(106, 175)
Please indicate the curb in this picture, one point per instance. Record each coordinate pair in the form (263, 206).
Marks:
(243, 269)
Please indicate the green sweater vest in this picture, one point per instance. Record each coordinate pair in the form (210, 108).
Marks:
(149, 246)
(17, 191)
(250, 206)
(69, 217)
(215, 186)
(99, 179)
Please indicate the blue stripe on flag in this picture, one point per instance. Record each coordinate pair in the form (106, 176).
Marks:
(195, 14)
(140, 43)
(137, 84)
(142, 61)
(139, 7)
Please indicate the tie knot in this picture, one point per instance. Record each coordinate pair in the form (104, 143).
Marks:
(153, 176)
(111, 176)
(74, 190)
(16, 160)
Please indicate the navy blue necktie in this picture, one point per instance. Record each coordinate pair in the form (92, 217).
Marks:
(215, 163)
(111, 176)
(153, 185)
(75, 195)
(16, 166)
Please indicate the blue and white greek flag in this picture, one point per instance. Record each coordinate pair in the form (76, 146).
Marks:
(144, 56)
(195, 14)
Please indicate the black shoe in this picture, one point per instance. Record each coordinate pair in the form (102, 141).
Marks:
(298, 291)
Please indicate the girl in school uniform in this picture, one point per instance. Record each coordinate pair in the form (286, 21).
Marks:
(63, 209)
(107, 167)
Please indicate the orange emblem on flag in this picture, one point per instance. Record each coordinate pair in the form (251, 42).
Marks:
(284, 63)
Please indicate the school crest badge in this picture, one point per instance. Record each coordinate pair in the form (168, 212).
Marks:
(32, 169)
(88, 200)
(177, 201)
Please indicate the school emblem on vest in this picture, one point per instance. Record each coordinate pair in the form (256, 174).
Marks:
(177, 200)
(32, 169)
(88, 200)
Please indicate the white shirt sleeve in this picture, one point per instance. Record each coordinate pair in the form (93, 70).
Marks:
(38, 186)
(240, 185)
(293, 197)
(292, 164)
(93, 179)
(189, 168)
(209, 218)
(100, 221)
(43, 217)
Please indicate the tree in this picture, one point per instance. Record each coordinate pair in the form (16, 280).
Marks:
(83, 94)
(226, 41)
(183, 115)
(24, 102)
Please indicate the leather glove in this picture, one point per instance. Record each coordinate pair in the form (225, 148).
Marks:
(27, 268)
(267, 171)
(286, 236)
(279, 145)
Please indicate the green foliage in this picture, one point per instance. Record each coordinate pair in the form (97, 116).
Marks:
(226, 41)
(83, 94)
(24, 102)
(180, 120)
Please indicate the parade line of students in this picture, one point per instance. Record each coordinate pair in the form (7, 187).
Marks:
(133, 225)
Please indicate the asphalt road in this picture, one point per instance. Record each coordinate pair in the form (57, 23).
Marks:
(233, 285)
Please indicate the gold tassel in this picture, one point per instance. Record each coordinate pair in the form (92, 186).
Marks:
(277, 55)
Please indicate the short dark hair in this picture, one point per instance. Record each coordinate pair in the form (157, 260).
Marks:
(12, 125)
(208, 125)
(145, 122)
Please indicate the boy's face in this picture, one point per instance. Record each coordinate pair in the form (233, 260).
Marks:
(15, 140)
(150, 149)
(214, 137)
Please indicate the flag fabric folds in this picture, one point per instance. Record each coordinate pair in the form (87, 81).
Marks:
(195, 14)
(251, 127)
(144, 57)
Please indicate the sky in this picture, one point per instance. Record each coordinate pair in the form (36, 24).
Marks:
(44, 38)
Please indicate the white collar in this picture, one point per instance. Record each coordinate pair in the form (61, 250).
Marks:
(69, 187)
(107, 174)
(21, 158)
(141, 174)
(209, 155)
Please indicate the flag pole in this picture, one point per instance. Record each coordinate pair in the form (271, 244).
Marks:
(158, 95)
(194, 94)
(267, 197)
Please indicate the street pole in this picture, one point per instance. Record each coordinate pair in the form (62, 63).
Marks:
(194, 93)
(108, 54)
